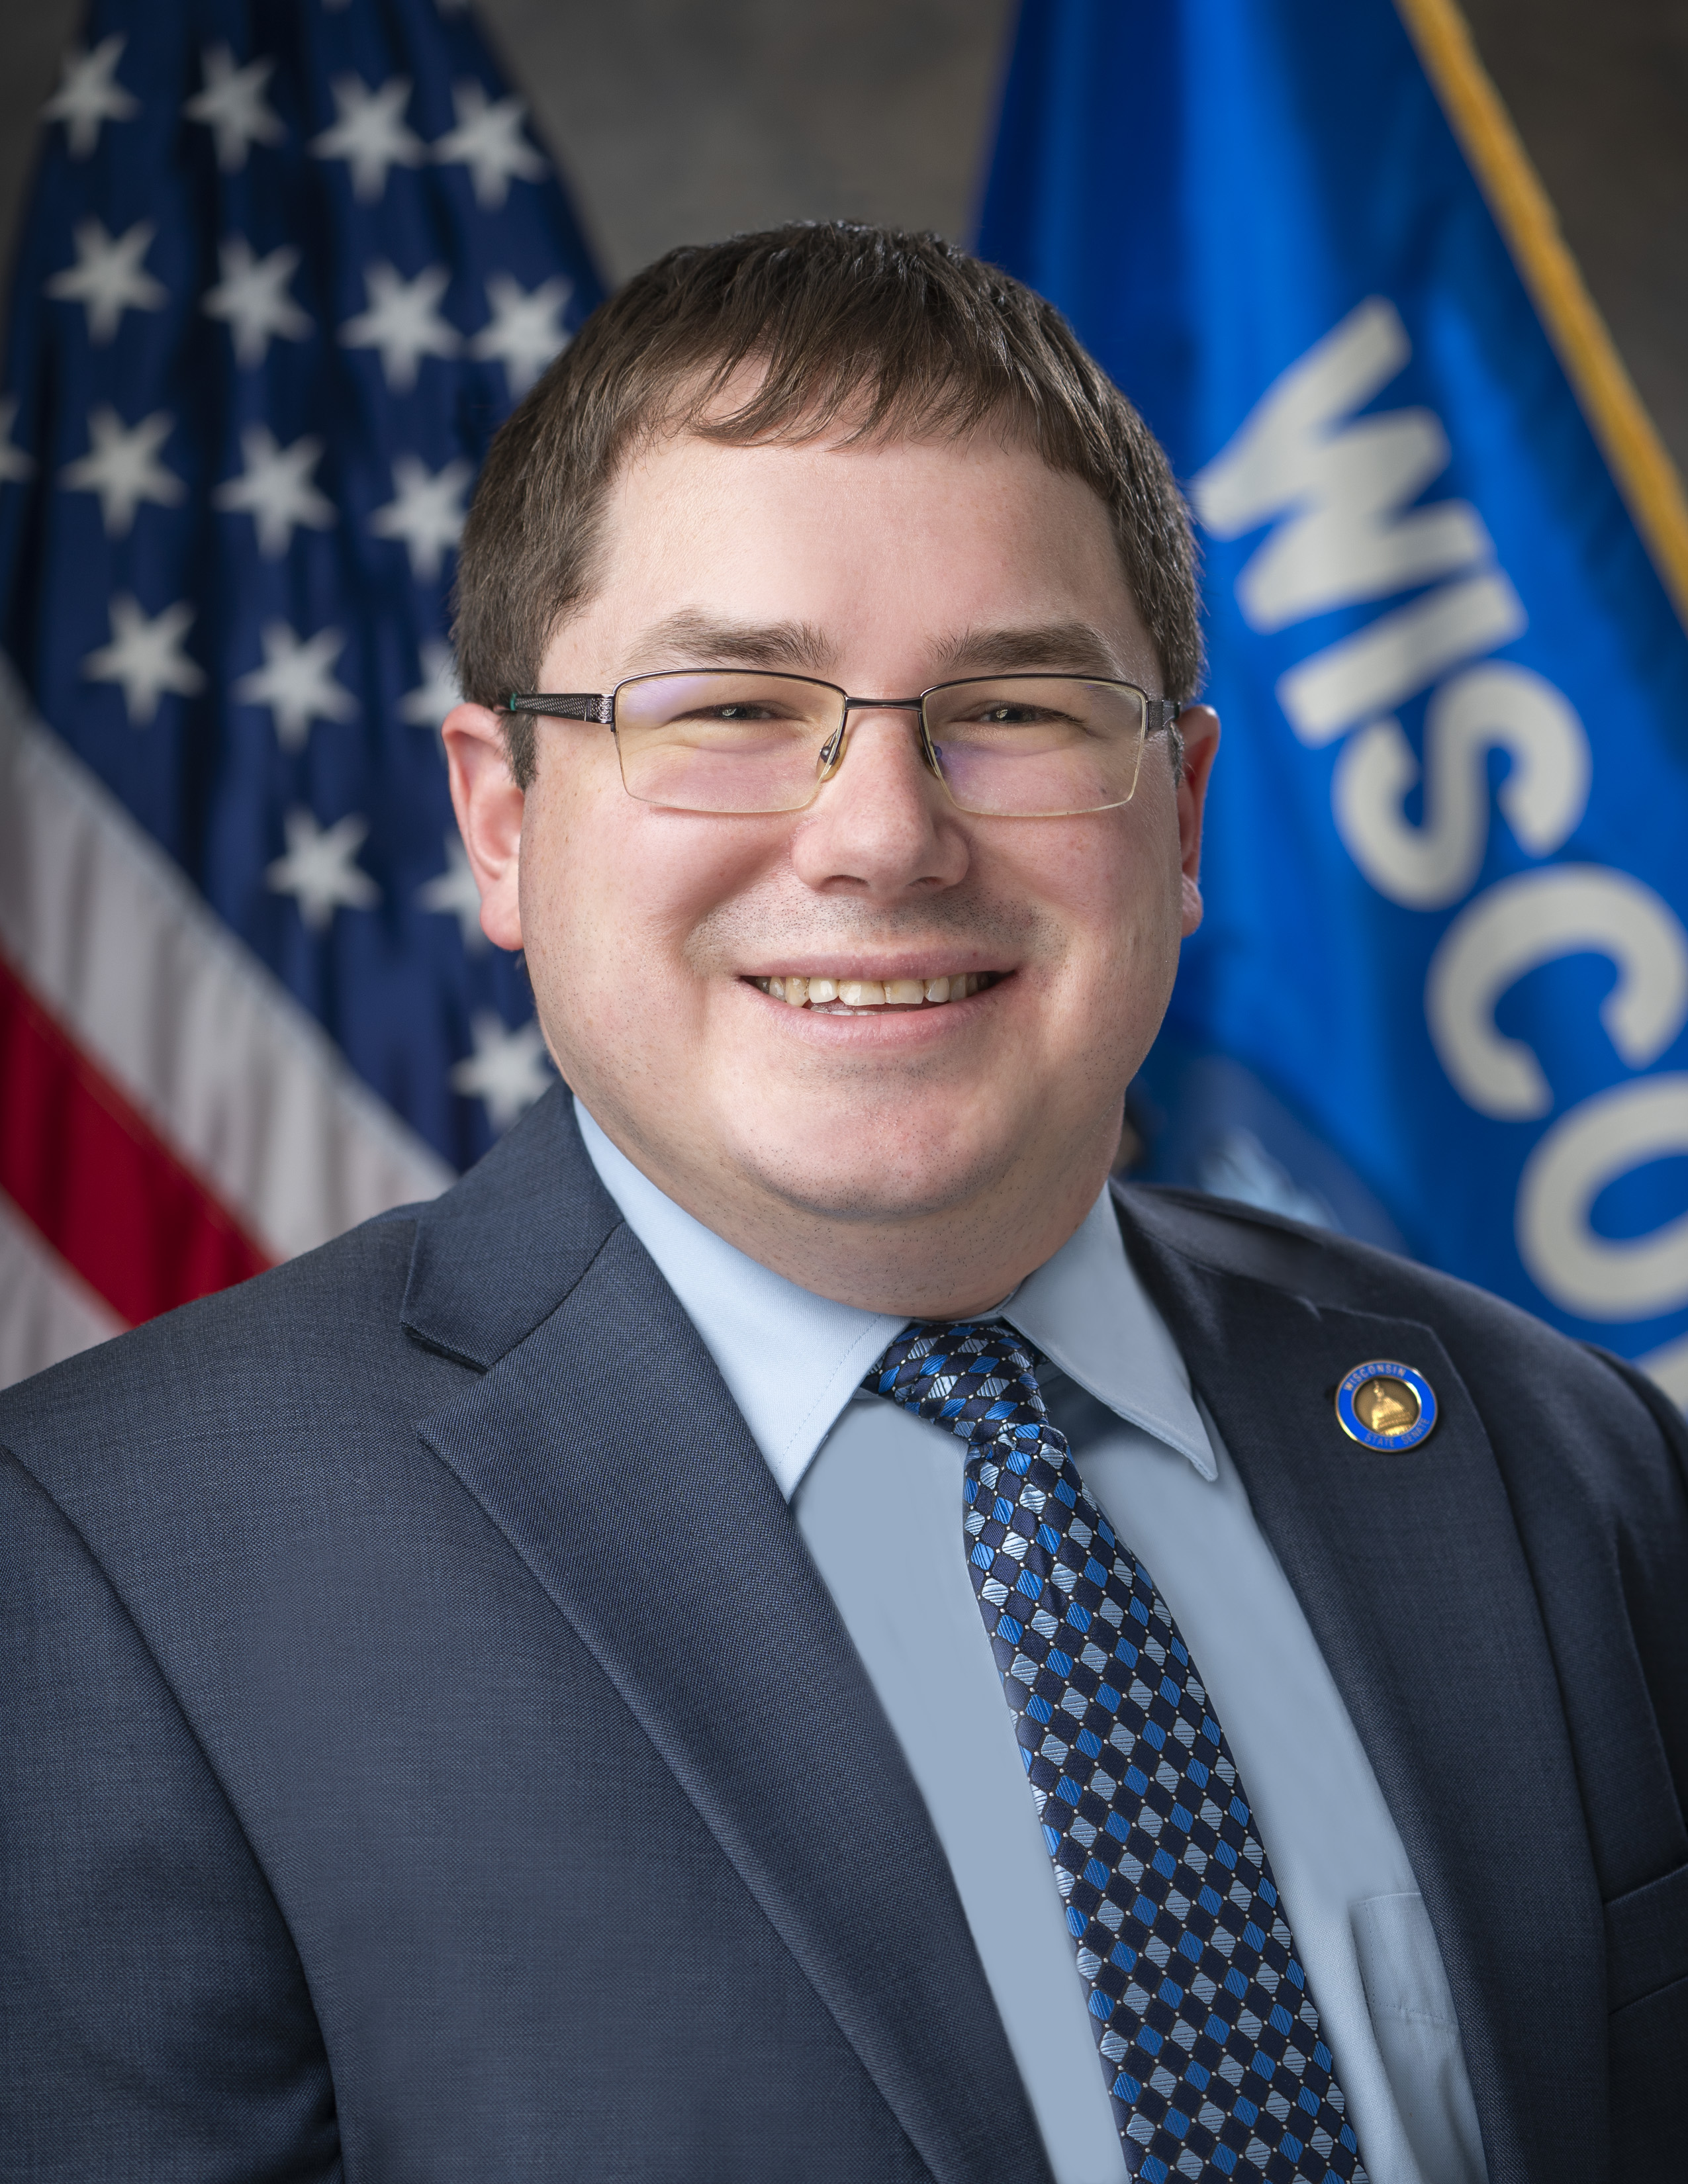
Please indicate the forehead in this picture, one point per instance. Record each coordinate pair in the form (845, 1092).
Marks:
(896, 537)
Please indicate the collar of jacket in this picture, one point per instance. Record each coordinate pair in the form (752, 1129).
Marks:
(500, 1250)
(601, 1440)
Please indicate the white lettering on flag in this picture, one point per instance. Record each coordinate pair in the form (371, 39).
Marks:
(1533, 918)
(1338, 486)
(1495, 705)
(1394, 657)
(1604, 1277)
(1341, 485)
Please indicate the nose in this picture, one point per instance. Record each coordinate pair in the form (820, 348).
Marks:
(882, 826)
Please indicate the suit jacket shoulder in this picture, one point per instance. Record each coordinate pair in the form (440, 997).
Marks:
(331, 1330)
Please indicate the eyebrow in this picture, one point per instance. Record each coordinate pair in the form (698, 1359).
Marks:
(1059, 648)
(693, 639)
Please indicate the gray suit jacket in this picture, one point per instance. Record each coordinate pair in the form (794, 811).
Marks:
(430, 1756)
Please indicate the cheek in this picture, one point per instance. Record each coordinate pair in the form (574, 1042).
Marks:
(557, 886)
(573, 929)
(613, 895)
(1114, 886)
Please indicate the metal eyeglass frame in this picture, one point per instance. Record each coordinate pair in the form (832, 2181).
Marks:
(600, 706)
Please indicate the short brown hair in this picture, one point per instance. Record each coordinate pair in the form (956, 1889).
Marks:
(904, 334)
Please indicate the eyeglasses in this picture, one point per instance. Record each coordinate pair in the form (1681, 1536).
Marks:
(739, 741)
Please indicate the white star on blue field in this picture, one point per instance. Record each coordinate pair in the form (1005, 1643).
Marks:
(289, 271)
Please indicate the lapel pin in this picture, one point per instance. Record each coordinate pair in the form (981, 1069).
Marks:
(1384, 1404)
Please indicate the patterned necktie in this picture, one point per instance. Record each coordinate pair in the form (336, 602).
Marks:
(1209, 2036)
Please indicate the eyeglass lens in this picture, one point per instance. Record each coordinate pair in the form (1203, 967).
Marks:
(1011, 746)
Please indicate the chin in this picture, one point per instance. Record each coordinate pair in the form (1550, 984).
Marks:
(875, 1174)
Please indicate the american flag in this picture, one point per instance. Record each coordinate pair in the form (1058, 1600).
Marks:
(288, 266)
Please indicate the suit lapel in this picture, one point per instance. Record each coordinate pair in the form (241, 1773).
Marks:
(605, 1447)
(1409, 1570)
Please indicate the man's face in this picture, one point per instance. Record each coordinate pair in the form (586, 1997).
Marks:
(651, 935)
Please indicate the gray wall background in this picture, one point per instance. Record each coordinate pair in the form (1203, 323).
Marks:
(679, 120)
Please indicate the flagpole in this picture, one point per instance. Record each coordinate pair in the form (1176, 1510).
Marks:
(1639, 461)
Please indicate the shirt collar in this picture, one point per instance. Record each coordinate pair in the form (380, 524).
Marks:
(1086, 1311)
(792, 1360)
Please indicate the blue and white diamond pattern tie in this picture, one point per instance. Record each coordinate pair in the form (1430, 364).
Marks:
(1209, 2037)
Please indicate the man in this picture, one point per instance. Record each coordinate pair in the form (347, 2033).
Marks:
(780, 1629)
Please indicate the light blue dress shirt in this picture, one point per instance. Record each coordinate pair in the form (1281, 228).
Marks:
(1152, 1460)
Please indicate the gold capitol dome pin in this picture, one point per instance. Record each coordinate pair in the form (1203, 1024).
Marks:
(1383, 1404)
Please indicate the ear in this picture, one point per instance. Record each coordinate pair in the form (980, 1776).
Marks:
(1198, 725)
(489, 806)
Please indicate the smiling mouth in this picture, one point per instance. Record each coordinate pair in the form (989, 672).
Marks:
(852, 996)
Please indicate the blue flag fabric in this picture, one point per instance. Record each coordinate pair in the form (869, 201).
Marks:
(1440, 993)
(288, 265)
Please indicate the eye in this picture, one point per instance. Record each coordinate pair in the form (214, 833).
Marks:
(1013, 713)
(1007, 715)
(736, 713)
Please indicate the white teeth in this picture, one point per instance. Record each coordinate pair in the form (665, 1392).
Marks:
(872, 993)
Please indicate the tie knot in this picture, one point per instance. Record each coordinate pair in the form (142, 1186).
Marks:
(977, 1377)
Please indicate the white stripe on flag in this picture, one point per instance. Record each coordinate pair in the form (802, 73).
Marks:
(47, 1310)
(234, 1075)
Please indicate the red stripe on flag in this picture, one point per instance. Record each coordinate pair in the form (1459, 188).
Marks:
(97, 1179)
